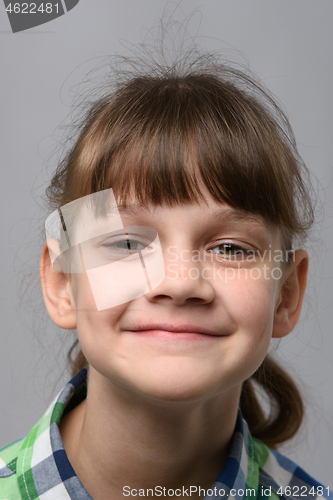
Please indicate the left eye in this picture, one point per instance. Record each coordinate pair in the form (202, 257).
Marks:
(231, 250)
(125, 245)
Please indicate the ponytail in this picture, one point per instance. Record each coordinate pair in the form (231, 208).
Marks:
(286, 405)
(78, 362)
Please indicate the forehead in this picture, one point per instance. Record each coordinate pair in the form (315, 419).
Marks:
(205, 209)
(210, 214)
(204, 212)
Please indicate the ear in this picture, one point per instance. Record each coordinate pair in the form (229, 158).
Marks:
(57, 293)
(289, 303)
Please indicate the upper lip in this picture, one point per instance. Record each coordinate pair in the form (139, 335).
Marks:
(177, 328)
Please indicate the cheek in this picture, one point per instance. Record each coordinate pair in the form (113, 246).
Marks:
(93, 325)
(248, 297)
(83, 297)
(249, 303)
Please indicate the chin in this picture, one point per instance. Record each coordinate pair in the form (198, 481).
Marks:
(176, 394)
(176, 387)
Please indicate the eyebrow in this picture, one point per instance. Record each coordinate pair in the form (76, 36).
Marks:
(228, 215)
(223, 215)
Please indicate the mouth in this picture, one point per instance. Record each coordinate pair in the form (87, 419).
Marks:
(184, 331)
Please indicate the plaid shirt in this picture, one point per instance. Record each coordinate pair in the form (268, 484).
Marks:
(37, 467)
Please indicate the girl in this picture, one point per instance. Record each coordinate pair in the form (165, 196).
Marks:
(175, 250)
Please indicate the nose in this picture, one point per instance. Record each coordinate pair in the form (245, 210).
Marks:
(185, 280)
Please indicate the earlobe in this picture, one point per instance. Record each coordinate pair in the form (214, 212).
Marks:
(57, 293)
(289, 304)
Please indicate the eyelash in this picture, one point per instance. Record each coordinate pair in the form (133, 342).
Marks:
(238, 247)
(125, 241)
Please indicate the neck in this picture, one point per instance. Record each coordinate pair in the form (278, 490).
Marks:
(163, 443)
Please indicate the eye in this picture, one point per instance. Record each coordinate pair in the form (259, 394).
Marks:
(125, 245)
(229, 249)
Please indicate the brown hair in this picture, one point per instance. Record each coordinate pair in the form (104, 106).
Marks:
(162, 131)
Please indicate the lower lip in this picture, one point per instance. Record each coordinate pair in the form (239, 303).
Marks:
(164, 334)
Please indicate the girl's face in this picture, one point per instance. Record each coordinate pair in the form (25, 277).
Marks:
(220, 276)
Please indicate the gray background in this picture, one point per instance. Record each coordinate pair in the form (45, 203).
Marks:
(288, 43)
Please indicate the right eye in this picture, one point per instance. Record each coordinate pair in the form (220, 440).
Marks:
(125, 245)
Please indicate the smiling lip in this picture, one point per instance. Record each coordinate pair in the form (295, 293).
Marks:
(185, 329)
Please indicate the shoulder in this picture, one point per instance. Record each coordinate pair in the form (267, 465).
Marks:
(9, 488)
(280, 475)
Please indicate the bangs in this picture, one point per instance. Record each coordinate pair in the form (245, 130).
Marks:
(166, 140)
(179, 135)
